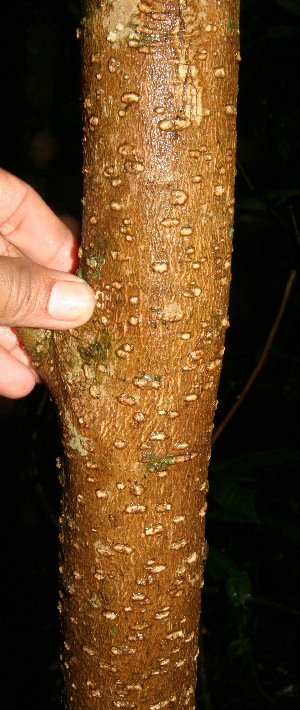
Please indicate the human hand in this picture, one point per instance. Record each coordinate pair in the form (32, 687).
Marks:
(37, 254)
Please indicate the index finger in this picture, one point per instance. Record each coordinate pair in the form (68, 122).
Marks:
(31, 226)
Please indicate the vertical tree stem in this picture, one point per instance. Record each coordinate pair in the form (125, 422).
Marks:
(136, 388)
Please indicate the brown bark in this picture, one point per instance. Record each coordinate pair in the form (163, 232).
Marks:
(136, 388)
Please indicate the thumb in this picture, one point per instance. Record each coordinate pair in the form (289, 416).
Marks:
(32, 295)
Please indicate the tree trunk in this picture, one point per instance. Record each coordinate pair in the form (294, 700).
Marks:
(136, 387)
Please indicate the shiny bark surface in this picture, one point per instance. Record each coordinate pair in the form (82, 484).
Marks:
(136, 387)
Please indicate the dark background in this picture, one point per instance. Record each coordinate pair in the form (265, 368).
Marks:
(251, 613)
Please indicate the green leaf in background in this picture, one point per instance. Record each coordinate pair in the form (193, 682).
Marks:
(291, 5)
(236, 498)
(220, 566)
(252, 204)
(233, 488)
(74, 7)
(282, 196)
(247, 463)
(238, 589)
(237, 586)
(281, 32)
(237, 581)
(291, 532)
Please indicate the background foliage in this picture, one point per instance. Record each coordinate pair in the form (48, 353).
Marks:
(251, 612)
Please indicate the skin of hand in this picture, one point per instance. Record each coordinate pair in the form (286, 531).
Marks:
(38, 253)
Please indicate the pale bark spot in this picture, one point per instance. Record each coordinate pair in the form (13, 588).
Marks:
(178, 544)
(230, 109)
(219, 190)
(173, 635)
(130, 98)
(122, 548)
(134, 320)
(103, 549)
(156, 569)
(135, 508)
(120, 443)
(178, 197)
(180, 445)
(113, 65)
(139, 417)
(186, 231)
(154, 530)
(159, 266)
(125, 399)
(170, 222)
(158, 436)
(192, 397)
(172, 313)
(162, 507)
(88, 650)
(192, 558)
(163, 614)
(101, 494)
(95, 391)
(110, 615)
